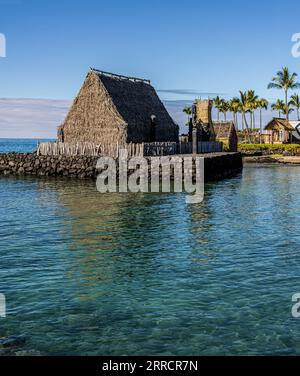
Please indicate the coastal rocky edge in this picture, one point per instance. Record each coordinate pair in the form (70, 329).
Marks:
(217, 165)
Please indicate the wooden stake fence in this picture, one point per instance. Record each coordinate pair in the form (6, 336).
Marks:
(133, 150)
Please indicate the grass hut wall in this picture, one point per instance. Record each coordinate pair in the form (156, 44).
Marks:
(226, 133)
(112, 109)
(279, 131)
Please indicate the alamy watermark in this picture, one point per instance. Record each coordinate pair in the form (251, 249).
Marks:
(2, 45)
(296, 45)
(296, 306)
(2, 306)
(152, 175)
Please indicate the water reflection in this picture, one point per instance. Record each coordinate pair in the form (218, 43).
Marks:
(91, 274)
(117, 236)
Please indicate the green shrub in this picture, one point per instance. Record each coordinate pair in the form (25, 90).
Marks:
(268, 147)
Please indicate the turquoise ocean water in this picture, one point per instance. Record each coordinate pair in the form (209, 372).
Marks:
(8, 145)
(146, 274)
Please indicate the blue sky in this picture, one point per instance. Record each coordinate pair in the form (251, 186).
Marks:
(209, 47)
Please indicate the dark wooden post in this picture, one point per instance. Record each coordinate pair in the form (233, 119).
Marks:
(195, 141)
(190, 138)
(153, 129)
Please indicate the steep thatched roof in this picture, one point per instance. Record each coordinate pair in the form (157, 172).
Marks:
(111, 109)
(223, 130)
(280, 123)
(135, 99)
(226, 133)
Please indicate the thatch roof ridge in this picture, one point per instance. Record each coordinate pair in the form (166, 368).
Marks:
(119, 76)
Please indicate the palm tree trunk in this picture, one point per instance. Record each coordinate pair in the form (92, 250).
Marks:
(236, 120)
(286, 104)
(247, 128)
(218, 115)
(260, 117)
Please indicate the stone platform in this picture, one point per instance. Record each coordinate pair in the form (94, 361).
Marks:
(217, 165)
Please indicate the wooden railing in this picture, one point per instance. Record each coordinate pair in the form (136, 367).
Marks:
(133, 150)
(210, 147)
(202, 147)
(89, 149)
(153, 149)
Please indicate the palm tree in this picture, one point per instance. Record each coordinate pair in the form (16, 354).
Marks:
(286, 81)
(244, 108)
(189, 111)
(256, 106)
(263, 104)
(295, 101)
(278, 106)
(218, 104)
(252, 100)
(287, 110)
(234, 107)
(224, 108)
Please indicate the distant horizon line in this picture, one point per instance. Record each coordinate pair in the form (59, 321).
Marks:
(71, 100)
(27, 138)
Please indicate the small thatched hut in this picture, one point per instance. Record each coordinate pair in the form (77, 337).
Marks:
(279, 131)
(226, 133)
(111, 109)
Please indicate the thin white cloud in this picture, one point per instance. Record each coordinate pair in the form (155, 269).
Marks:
(39, 118)
(31, 118)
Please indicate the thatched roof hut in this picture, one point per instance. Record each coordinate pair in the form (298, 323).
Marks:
(280, 131)
(112, 109)
(226, 133)
(279, 124)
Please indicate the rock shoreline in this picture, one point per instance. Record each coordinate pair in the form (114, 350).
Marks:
(269, 159)
(217, 166)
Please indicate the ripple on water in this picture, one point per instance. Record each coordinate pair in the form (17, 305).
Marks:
(93, 274)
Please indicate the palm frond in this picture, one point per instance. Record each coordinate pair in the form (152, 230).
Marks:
(273, 85)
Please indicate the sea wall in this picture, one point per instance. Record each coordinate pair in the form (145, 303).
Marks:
(222, 165)
(217, 166)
